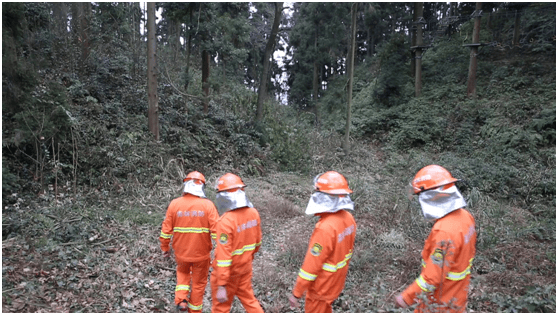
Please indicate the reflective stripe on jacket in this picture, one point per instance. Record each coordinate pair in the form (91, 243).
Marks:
(239, 237)
(190, 222)
(447, 257)
(327, 259)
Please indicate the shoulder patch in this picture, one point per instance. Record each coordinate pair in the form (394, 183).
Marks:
(223, 239)
(316, 249)
(437, 256)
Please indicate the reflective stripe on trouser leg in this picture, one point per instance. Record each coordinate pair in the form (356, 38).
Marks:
(183, 278)
(200, 271)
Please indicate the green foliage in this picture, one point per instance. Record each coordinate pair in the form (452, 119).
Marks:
(287, 141)
(394, 72)
(535, 300)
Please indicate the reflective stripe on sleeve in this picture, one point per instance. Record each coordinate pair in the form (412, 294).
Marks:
(425, 286)
(306, 276)
(182, 287)
(423, 263)
(456, 276)
(246, 248)
(224, 263)
(343, 263)
(163, 235)
(190, 230)
(195, 307)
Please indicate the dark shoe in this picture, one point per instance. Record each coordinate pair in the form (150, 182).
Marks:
(182, 306)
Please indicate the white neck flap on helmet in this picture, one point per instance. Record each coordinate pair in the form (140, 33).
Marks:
(190, 187)
(322, 203)
(225, 201)
(436, 203)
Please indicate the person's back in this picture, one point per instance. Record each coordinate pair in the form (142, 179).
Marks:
(192, 220)
(454, 237)
(333, 239)
(239, 234)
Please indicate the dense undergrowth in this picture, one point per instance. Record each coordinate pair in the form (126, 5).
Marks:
(85, 186)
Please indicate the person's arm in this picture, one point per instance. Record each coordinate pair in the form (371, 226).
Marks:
(442, 255)
(320, 247)
(167, 230)
(259, 237)
(223, 251)
(213, 218)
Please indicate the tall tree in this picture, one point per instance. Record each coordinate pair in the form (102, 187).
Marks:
(472, 80)
(350, 66)
(152, 97)
(80, 25)
(418, 51)
(262, 91)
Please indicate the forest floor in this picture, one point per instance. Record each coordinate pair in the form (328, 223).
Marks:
(99, 252)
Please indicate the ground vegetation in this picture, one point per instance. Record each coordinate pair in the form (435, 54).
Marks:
(85, 184)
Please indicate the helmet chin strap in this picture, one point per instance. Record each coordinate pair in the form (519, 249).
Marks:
(436, 203)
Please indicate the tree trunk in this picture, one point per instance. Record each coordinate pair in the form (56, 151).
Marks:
(205, 78)
(351, 66)
(516, 31)
(153, 111)
(83, 33)
(315, 83)
(418, 52)
(472, 80)
(414, 40)
(60, 13)
(262, 91)
(134, 38)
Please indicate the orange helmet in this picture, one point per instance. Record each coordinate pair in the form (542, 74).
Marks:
(431, 176)
(332, 183)
(195, 175)
(229, 181)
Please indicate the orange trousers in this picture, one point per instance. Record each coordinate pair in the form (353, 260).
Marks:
(239, 285)
(195, 272)
(317, 306)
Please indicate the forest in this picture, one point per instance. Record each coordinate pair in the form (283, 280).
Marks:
(106, 106)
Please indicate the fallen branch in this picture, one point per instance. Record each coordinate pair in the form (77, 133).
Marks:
(165, 268)
(101, 242)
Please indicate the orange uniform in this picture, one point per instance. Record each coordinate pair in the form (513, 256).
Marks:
(239, 237)
(327, 261)
(190, 221)
(446, 259)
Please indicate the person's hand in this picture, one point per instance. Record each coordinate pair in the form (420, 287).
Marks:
(399, 302)
(166, 254)
(221, 294)
(293, 301)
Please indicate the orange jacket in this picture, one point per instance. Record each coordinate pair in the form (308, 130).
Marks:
(239, 237)
(446, 264)
(189, 221)
(327, 259)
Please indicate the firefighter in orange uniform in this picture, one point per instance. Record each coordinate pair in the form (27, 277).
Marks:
(331, 245)
(239, 237)
(449, 249)
(190, 221)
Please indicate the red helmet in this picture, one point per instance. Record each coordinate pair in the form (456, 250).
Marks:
(332, 183)
(229, 181)
(195, 175)
(431, 176)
